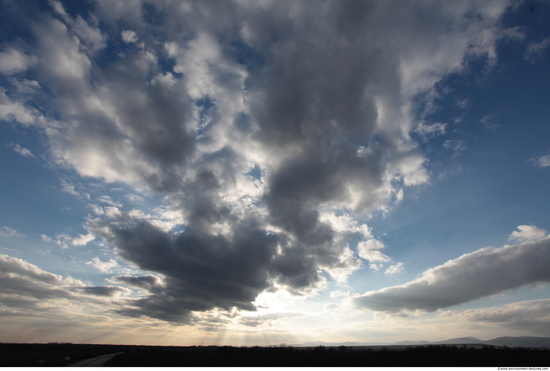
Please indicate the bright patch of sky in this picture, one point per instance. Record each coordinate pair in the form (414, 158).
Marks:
(255, 173)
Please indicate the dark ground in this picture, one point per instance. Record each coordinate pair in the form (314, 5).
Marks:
(33, 355)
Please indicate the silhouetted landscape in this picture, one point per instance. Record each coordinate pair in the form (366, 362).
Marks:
(477, 353)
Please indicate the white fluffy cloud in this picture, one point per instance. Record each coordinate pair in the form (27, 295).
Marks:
(528, 233)
(104, 266)
(543, 161)
(83, 239)
(471, 276)
(395, 268)
(370, 250)
(13, 60)
(129, 36)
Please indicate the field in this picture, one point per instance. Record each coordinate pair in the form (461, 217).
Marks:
(398, 356)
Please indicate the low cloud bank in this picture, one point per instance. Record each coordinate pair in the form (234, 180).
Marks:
(472, 276)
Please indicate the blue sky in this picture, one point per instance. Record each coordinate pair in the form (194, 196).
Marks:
(253, 173)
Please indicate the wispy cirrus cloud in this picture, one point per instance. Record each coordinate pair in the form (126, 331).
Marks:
(534, 50)
(25, 152)
(6, 231)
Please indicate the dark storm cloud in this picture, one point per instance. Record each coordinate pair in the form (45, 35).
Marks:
(201, 272)
(188, 98)
(472, 276)
(155, 115)
(108, 291)
(148, 282)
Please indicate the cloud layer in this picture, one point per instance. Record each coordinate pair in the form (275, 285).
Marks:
(259, 123)
(472, 276)
(27, 290)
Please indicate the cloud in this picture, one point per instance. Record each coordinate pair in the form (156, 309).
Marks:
(107, 200)
(455, 145)
(200, 274)
(13, 60)
(259, 126)
(62, 240)
(104, 266)
(49, 307)
(25, 152)
(394, 269)
(129, 36)
(90, 38)
(149, 283)
(428, 131)
(83, 239)
(45, 238)
(107, 291)
(472, 276)
(264, 319)
(28, 289)
(370, 250)
(488, 121)
(15, 110)
(20, 278)
(543, 161)
(6, 231)
(532, 316)
(527, 233)
(69, 188)
(535, 50)
(134, 198)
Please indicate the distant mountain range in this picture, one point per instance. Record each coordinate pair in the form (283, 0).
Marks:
(517, 341)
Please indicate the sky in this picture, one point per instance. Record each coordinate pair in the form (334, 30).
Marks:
(267, 172)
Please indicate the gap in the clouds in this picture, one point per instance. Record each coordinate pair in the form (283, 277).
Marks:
(46, 205)
(35, 203)
(76, 8)
(243, 54)
(255, 172)
(533, 15)
(205, 106)
(110, 54)
(154, 17)
(17, 29)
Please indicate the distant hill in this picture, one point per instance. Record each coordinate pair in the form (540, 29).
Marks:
(463, 340)
(521, 341)
(518, 341)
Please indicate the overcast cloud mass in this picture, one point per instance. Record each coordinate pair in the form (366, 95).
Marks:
(251, 143)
